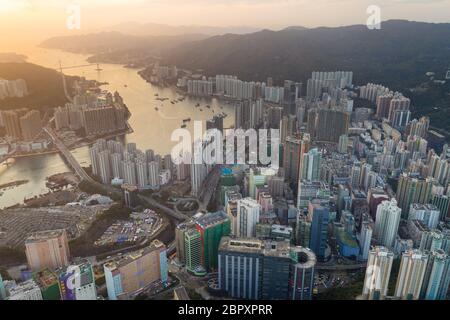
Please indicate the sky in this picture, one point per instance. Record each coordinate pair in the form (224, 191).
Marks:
(23, 21)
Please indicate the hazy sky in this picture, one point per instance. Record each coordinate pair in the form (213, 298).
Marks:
(38, 19)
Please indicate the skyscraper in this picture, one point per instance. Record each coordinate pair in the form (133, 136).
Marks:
(212, 227)
(410, 278)
(248, 212)
(47, 249)
(193, 250)
(31, 125)
(301, 282)
(319, 217)
(378, 272)
(437, 277)
(387, 222)
(311, 165)
(240, 267)
(412, 190)
(12, 124)
(136, 270)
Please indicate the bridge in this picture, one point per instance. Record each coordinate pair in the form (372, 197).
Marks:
(67, 155)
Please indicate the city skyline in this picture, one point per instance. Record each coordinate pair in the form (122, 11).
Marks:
(323, 173)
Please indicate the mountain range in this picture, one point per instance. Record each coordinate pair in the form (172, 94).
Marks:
(397, 55)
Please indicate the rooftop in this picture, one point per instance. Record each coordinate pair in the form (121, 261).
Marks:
(45, 235)
(210, 219)
(123, 261)
(45, 278)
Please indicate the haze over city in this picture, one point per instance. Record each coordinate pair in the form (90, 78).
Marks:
(34, 20)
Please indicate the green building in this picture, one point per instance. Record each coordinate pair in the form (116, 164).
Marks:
(212, 227)
(49, 284)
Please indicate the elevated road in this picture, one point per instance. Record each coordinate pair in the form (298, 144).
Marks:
(170, 212)
(67, 155)
(341, 267)
(209, 187)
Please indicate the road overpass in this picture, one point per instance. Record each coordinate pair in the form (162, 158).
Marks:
(172, 213)
(67, 155)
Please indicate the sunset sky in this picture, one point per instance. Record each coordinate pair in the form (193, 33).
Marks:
(34, 20)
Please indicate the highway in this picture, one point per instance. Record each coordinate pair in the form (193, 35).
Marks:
(172, 213)
(209, 187)
(341, 267)
(65, 152)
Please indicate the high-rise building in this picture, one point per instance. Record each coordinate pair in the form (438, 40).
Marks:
(129, 172)
(383, 104)
(212, 227)
(387, 223)
(240, 267)
(437, 276)
(104, 166)
(248, 212)
(327, 125)
(47, 249)
(343, 144)
(136, 271)
(427, 213)
(28, 290)
(303, 231)
(12, 124)
(365, 239)
(153, 174)
(265, 269)
(31, 125)
(193, 250)
(130, 193)
(301, 282)
(442, 202)
(180, 232)
(410, 277)
(378, 272)
(77, 282)
(319, 217)
(311, 165)
(412, 190)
